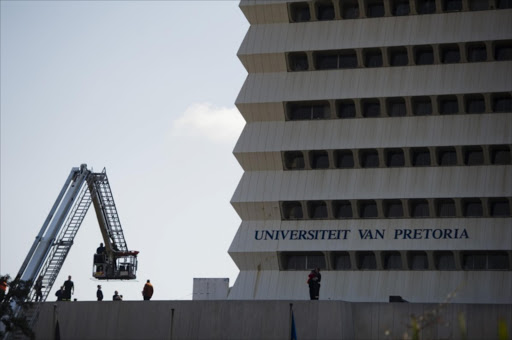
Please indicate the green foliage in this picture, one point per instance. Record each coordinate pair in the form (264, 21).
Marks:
(16, 300)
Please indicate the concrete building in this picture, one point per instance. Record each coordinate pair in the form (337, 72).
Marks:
(378, 148)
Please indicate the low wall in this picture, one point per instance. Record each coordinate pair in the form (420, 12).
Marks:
(265, 320)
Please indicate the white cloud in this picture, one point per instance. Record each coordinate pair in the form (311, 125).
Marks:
(219, 124)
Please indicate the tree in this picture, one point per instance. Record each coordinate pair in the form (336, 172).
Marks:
(13, 307)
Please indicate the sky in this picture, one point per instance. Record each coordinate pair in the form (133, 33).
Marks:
(145, 89)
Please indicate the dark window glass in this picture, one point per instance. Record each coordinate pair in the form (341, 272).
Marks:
(325, 11)
(393, 208)
(392, 260)
(367, 209)
(420, 157)
(446, 156)
(499, 207)
(300, 11)
(473, 155)
(452, 5)
(292, 210)
(344, 159)
(500, 154)
(369, 158)
(502, 4)
(426, 6)
(478, 5)
(476, 52)
(342, 209)
(298, 61)
(421, 106)
(296, 262)
(474, 261)
(419, 208)
(317, 209)
(450, 54)
(398, 56)
(395, 157)
(348, 59)
(474, 103)
(503, 50)
(371, 107)
(306, 111)
(342, 261)
(294, 160)
(498, 260)
(502, 103)
(444, 260)
(375, 9)
(366, 260)
(304, 261)
(346, 109)
(326, 61)
(424, 55)
(445, 207)
(472, 207)
(448, 105)
(372, 58)
(418, 260)
(350, 10)
(396, 107)
(400, 7)
(319, 159)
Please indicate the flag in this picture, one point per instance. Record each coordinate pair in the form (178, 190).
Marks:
(293, 331)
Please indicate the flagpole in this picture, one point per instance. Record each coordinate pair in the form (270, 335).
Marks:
(290, 321)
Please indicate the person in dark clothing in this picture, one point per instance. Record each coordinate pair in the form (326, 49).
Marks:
(314, 279)
(99, 294)
(38, 287)
(116, 297)
(3, 287)
(101, 249)
(147, 291)
(69, 289)
(60, 294)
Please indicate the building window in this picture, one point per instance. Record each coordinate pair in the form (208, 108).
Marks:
(418, 260)
(400, 7)
(498, 260)
(425, 6)
(503, 50)
(307, 111)
(294, 160)
(501, 102)
(369, 158)
(448, 105)
(292, 210)
(393, 208)
(450, 54)
(446, 156)
(481, 260)
(419, 208)
(335, 59)
(371, 108)
(319, 159)
(346, 109)
(366, 260)
(300, 11)
(342, 209)
(374, 8)
(298, 61)
(473, 155)
(476, 52)
(348, 59)
(500, 154)
(392, 260)
(325, 10)
(452, 5)
(474, 103)
(341, 260)
(395, 157)
(350, 9)
(396, 107)
(420, 157)
(421, 106)
(303, 261)
(445, 207)
(444, 260)
(372, 57)
(499, 207)
(367, 209)
(472, 207)
(423, 55)
(398, 56)
(317, 209)
(343, 159)
(503, 4)
(478, 5)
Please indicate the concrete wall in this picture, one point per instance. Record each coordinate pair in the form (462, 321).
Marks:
(265, 320)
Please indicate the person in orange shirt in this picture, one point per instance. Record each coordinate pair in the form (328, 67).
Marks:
(147, 292)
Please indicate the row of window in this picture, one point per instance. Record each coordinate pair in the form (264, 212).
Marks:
(396, 260)
(396, 208)
(499, 50)
(467, 155)
(350, 9)
(474, 103)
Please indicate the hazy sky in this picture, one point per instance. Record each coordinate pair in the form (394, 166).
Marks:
(145, 89)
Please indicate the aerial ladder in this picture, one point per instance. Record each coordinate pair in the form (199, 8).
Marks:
(51, 246)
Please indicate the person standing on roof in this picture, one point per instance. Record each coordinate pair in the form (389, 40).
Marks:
(69, 289)
(38, 287)
(147, 292)
(99, 294)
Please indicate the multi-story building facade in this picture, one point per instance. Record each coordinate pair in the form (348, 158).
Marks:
(377, 148)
